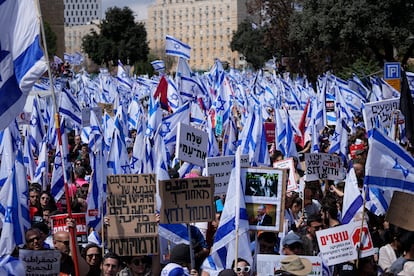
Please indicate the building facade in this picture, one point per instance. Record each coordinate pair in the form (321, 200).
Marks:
(82, 12)
(52, 14)
(206, 25)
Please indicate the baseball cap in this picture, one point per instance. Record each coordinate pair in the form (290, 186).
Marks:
(291, 238)
(173, 269)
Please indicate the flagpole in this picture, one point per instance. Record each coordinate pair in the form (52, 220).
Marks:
(237, 218)
(362, 227)
(59, 135)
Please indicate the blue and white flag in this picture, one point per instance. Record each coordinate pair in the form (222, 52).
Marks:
(175, 47)
(388, 165)
(224, 248)
(41, 172)
(10, 266)
(158, 65)
(37, 129)
(118, 162)
(28, 158)
(14, 210)
(353, 199)
(21, 57)
(69, 107)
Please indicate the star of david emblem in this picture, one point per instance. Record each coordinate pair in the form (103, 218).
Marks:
(33, 121)
(220, 105)
(397, 166)
(165, 129)
(335, 136)
(349, 98)
(177, 46)
(124, 168)
(133, 161)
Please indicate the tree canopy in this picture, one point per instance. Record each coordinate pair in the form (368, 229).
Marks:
(120, 38)
(334, 34)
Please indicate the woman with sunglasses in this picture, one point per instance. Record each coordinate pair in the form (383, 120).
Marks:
(242, 268)
(92, 254)
(137, 266)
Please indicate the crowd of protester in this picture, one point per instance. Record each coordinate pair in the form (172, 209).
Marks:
(319, 207)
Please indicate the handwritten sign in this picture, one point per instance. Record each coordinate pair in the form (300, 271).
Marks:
(220, 167)
(192, 145)
(323, 166)
(400, 201)
(58, 223)
(288, 164)
(339, 244)
(131, 209)
(380, 113)
(267, 264)
(41, 262)
(187, 200)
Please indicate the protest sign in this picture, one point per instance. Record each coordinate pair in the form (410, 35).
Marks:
(58, 223)
(288, 164)
(41, 262)
(324, 166)
(339, 244)
(108, 107)
(400, 201)
(192, 145)
(187, 200)
(381, 113)
(267, 264)
(270, 132)
(220, 167)
(264, 189)
(131, 209)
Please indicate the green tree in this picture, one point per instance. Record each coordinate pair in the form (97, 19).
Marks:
(332, 34)
(249, 41)
(50, 40)
(120, 38)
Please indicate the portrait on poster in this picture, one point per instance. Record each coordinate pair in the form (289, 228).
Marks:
(263, 193)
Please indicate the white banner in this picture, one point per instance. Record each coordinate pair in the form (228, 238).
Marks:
(324, 166)
(192, 145)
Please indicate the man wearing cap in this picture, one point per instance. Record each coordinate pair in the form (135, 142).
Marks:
(293, 265)
(292, 244)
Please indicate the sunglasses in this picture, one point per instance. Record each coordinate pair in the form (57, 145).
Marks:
(240, 269)
(138, 261)
(93, 255)
(33, 239)
(317, 227)
(64, 242)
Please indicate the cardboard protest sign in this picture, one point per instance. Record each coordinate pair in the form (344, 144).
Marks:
(339, 244)
(288, 164)
(131, 209)
(324, 166)
(267, 264)
(58, 223)
(220, 167)
(380, 113)
(41, 262)
(187, 200)
(400, 201)
(108, 107)
(264, 188)
(192, 145)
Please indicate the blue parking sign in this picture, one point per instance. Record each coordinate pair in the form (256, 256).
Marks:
(392, 70)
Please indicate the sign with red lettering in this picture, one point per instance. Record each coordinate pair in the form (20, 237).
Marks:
(339, 244)
(58, 223)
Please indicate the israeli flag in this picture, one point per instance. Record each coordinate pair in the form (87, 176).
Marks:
(175, 47)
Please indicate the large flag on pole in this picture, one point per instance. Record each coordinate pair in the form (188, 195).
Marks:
(21, 58)
(388, 165)
(233, 221)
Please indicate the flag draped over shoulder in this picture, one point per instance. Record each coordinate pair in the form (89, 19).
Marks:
(223, 251)
(388, 165)
(175, 47)
(21, 58)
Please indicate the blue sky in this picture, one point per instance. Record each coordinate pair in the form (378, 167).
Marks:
(138, 6)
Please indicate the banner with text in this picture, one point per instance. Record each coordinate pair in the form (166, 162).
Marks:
(41, 262)
(192, 145)
(339, 244)
(288, 164)
(220, 167)
(131, 208)
(324, 166)
(187, 200)
(381, 113)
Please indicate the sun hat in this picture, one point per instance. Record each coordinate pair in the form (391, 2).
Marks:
(295, 265)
